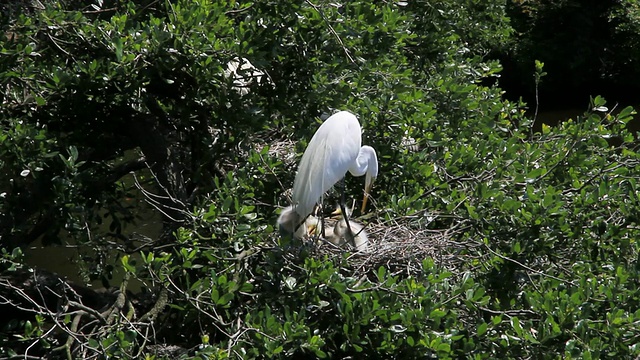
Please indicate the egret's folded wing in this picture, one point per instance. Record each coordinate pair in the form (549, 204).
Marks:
(329, 155)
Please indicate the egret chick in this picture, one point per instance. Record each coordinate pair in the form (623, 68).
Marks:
(291, 224)
(357, 238)
(339, 234)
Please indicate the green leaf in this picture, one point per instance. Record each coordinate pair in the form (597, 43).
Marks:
(381, 273)
(437, 314)
(534, 174)
(482, 329)
(515, 323)
(226, 205)
(117, 44)
(73, 152)
(410, 341)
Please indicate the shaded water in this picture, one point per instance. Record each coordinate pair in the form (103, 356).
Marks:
(65, 259)
(554, 117)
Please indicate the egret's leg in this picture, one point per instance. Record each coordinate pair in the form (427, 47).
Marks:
(322, 222)
(301, 223)
(344, 210)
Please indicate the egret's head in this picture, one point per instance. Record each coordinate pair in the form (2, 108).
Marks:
(312, 225)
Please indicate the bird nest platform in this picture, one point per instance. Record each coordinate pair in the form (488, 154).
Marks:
(401, 247)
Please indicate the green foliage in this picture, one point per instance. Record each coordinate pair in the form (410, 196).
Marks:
(542, 288)
(541, 259)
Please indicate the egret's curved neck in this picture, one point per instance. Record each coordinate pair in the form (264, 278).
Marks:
(366, 163)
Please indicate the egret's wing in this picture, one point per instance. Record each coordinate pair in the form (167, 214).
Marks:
(330, 153)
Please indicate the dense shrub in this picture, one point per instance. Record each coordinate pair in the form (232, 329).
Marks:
(489, 240)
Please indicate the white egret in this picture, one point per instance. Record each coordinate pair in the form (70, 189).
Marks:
(291, 224)
(334, 149)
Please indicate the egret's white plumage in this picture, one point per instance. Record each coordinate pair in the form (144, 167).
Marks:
(334, 149)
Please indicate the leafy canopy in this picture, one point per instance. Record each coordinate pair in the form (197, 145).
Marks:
(533, 234)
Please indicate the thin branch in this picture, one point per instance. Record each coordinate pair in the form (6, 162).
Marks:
(527, 267)
(332, 30)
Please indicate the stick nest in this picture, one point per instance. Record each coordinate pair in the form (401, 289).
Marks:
(401, 246)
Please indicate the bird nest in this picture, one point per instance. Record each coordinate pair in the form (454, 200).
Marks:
(401, 247)
(283, 150)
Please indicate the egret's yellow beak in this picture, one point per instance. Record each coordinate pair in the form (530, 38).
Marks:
(367, 188)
